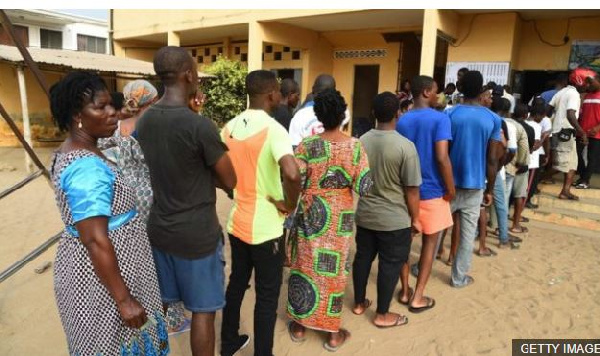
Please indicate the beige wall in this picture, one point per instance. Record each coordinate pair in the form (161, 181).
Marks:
(534, 54)
(491, 38)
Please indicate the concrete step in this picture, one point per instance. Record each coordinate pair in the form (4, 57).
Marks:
(584, 204)
(554, 189)
(565, 217)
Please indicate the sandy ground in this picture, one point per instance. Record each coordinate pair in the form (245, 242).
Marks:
(547, 289)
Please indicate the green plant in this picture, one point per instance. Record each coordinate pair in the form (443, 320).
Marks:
(226, 92)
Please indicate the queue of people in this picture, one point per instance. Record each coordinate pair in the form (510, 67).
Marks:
(137, 194)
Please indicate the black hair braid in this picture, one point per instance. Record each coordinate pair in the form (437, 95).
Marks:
(330, 108)
(69, 96)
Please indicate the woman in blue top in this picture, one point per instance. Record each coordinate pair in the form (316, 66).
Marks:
(104, 280)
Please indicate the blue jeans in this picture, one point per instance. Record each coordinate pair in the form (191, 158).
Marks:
(467, 202)
(501, 208)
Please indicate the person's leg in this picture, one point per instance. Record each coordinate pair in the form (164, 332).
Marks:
(454, 238)
(366, 250)
(425, 265)
(593, 157)
(241, 270)
(530, 186)
(469, 207)
(581, 166)
(202, 336)
(520, 193)
(440, 249)
(483, 221)
(393, 248)
(405, 293)
(568, 163)
(501, 209)
(268, 266)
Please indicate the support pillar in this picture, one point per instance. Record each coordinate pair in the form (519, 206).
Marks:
(428, 42)
(255, 45)
(173, 39)
(25, 112)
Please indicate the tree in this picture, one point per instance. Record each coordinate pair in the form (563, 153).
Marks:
(226, 92)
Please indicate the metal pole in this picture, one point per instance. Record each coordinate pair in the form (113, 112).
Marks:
(39, 76)
(21, 184)
(15, 267)
(20, 137)
(25, 111)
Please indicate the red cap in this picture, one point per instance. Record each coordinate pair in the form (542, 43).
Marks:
(579, 75)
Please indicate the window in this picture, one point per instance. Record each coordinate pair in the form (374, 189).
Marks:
(277, 56)
(194, 53)
(213, 58)
(268, 49)
(207, 52)
(244, 57)
(295, 55)
(91, 44)
(22, 33)
(200, 59)
(237, 50)
(51, 39)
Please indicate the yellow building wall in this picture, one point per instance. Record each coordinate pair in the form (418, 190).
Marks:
(343, 69)
(490, 39)
(37, 104)
(535, 55)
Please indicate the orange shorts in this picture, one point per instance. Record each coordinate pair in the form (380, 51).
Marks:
(435, 215)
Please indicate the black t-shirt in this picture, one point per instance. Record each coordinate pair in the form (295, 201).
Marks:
(180, 147)
(283, 115)
(530, 133)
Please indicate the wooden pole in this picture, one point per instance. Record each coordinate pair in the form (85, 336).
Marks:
(25, 112)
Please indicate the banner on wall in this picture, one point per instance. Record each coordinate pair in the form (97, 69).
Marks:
(585, 54)
(497, 72)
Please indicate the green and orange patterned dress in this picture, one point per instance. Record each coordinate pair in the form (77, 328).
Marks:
(325, 223)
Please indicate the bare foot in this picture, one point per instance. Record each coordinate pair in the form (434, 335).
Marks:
(404, 296)
(360, 308)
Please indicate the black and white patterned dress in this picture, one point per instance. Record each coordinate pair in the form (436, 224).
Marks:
(85, 186)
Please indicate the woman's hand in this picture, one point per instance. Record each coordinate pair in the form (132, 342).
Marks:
(132, 313)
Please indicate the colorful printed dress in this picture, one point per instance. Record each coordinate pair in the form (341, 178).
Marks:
(325, 223)
(85, 186)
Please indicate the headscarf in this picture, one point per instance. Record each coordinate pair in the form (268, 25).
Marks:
(579, 75)
(138, 94)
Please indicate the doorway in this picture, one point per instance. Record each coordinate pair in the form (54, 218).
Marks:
(533, 82)
(366, 85)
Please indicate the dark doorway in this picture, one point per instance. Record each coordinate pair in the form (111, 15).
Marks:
(366, 85)
(534, 82)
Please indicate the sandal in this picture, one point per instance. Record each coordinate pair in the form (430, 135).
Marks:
(410, 295)
(366, 304)
(568, 197)
(400, 320)
(345, 337)
(430, 304)
(488, 252)
(522, 230)
(294, 338)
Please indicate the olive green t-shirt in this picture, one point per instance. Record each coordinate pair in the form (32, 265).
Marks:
(394, 164)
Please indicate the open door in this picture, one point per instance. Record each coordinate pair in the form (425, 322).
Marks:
(366, 85)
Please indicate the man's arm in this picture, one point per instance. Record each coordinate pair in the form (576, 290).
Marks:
(575, 123)
(291, 181)
(445, 167)
(226, 178)
(413, 200)
(493, 152)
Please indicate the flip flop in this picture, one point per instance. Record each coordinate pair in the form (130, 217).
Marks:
(515, 239)
(410, 294)
(400, 320)
(366, 304)
(568, 197)
(489, 253)
(291, 332)
(429, 305)
(345, 337)
(515, 231)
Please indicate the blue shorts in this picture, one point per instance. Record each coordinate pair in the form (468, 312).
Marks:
(200, 283)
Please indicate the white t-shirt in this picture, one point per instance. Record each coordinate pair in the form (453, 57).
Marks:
(534, 158)
(566, 99)
(305, 124)
(511, 99)
(511, 144)
(546, 124)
